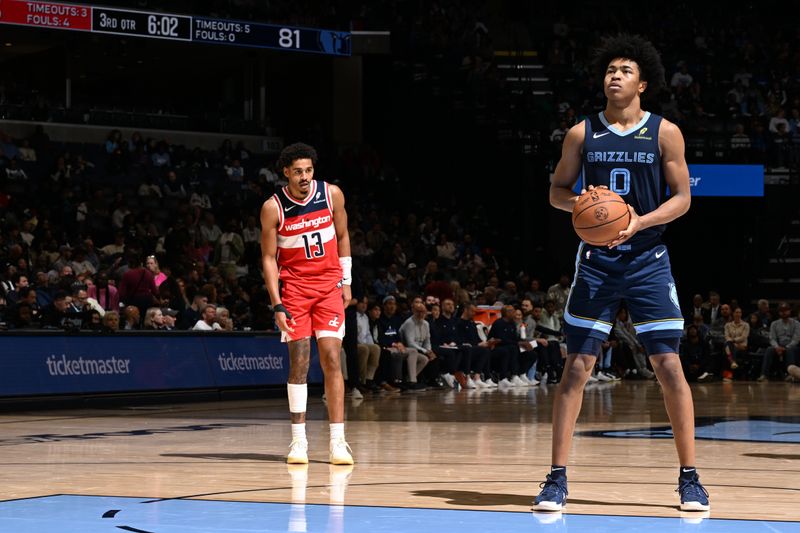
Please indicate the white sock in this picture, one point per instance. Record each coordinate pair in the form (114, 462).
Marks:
(298, 431)
(337, 431)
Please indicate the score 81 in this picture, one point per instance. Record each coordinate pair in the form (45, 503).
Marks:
(289, 38)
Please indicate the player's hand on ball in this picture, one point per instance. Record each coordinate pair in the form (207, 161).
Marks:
(633, 226)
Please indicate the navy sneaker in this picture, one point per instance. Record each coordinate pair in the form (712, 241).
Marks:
(553, 496)
(694, 497)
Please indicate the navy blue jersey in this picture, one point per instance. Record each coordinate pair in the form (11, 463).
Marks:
(629, 163)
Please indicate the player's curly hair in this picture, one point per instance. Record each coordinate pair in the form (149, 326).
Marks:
(636, 48)
(294, 152)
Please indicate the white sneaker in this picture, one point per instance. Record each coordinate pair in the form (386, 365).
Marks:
(533, 382)
(517, 382)
(505, 384)
(593, 379)
(479, 383)
(298, 452)
(471, 384)
(603, 377)
(492, 384)
(340, 452)
(450, 379)
(356, 394)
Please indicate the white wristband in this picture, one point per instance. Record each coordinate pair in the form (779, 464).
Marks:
(347, 270)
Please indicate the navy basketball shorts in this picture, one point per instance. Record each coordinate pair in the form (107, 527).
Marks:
(603, 279)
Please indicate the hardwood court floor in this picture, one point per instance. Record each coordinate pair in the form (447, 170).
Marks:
(479, 450)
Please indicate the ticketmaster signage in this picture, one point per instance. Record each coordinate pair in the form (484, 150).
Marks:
(726, 180)
(38, 365)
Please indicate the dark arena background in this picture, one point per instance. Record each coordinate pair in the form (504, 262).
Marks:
(144, 137)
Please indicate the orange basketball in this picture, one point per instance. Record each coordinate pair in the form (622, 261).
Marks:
(599, 215)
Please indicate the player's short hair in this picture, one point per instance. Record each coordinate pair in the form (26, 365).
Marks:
(296, 151)
(635, 48)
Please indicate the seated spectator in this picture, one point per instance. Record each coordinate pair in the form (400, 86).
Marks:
(740, 140)
(695, 356)
(161, 157)
(479, 349)
(503, 337)
(95, 322)
(415, 334)
(148, 188)
(535, 294)
(716, 328)
(14, 173)
(55, 314)
(391, 363)
(172, 188)
(736, 334)
(224, 319)
(559, 293)
(132, 317)
(549, 357)
(764, 312)
(369, 352)
(473, 362)
(113, 250)
(758, 339)
(388, 329)
(200, 198)
(189, 316)
(235, 171)
(111, 322)
(27, 152)
(383, 286)
(784, 337)
(154, 319)
(626, 336)
(208, 319)
(80, 263)
(22, 317)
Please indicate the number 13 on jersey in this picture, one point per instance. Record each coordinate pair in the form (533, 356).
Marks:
(319, 249)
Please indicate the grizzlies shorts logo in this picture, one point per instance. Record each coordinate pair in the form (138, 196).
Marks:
(673, 295)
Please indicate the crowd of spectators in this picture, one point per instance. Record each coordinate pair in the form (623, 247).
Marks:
(725, 341)
(733, 85)
(138, 234)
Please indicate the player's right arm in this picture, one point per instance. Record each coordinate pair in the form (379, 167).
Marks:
(269, 262)
(568, 169)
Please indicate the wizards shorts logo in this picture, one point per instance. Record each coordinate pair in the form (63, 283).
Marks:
(785, 430)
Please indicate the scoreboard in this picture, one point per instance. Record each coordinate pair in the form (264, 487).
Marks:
(155, 25)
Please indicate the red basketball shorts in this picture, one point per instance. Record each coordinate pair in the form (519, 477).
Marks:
(314, 312)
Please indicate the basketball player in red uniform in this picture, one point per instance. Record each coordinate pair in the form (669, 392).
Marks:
(305, 245)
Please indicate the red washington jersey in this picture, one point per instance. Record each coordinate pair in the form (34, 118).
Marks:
(308, 251)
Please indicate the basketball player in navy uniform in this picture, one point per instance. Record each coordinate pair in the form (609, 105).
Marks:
(637, 155)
